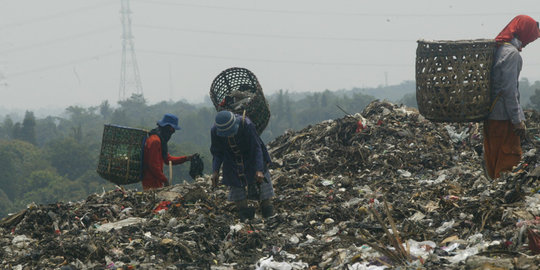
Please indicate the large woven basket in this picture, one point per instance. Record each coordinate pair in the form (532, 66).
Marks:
(238, 90)
(121, 156)
(453, 79)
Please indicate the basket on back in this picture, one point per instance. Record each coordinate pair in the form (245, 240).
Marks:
(121, 156)
(237, 89)
(453, 79)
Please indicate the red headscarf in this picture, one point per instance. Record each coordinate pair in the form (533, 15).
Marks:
(523, 27)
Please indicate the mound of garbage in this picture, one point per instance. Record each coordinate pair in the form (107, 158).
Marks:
(381, 189)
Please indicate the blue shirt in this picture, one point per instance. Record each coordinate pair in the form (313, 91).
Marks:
(505, 75)
(253, 153)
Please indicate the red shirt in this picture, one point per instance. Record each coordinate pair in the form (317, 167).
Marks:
(153, 176)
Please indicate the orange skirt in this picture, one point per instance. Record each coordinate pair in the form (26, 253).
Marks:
(502, 147)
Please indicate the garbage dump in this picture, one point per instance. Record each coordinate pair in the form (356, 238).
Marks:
(384, 189)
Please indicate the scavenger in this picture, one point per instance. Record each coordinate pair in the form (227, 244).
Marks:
(506, 122)
(238, 148)
(156, 153)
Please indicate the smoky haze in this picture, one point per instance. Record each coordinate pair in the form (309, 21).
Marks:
(59, 53)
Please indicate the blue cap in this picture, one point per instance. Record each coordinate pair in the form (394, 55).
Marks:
(226, 124)
(169, 120)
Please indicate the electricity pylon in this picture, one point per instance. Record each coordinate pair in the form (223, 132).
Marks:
(130, 79)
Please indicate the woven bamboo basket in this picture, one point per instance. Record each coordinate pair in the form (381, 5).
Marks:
(453, 79)
(237, 89)
(121, 156)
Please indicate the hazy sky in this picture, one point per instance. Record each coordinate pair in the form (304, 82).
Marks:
(57, 53)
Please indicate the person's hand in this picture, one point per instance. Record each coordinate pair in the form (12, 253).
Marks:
(520, 129)
(215, 179)
(259, 176)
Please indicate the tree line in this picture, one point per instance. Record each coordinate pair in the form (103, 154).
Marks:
(54, 158)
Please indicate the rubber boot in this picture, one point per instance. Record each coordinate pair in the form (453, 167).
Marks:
(267, 209)
(244, 212)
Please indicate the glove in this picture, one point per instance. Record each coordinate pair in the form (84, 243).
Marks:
(520, 129)
(190, 158)
(259, 176)
(215, 179)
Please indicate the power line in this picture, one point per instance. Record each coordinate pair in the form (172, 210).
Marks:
(58, 40)
(59, 14)
(90, 58)
(61, 65)
(319, 13)
(288, 61)
(271, 35)
(273, 60)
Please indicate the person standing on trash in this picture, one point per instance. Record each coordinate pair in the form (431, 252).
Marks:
(506, 121)
(237, 148)
(156, 153)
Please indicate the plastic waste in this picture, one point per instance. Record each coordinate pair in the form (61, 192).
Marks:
(351, 202)
(327, 183)
(404, 173)
(172, 223)
(475, 238)
(332, 231)
(445, 227)
(328, 221)
(294, 239)
(454, 136)
(421, 249)
(21, 241)
(120, 224)
(532, 204)
(439, 180)
(417, 216)
(462, 255)
(270, 264)
(365, 266)
(451, 247)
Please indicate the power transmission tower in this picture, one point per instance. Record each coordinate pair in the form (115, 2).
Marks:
(130, 79)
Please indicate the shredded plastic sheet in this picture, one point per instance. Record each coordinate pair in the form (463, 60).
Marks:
(270, 264)
(365, 266)
(120, 224)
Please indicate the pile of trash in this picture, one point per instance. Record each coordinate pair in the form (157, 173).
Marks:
(381, 189)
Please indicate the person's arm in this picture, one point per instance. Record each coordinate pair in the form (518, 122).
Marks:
(510, 69)
(154, 160)
(216, 149)
(177, 160)
(255, 146)
(217, 157)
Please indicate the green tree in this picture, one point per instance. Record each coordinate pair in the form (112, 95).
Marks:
(18, 159)
(7, 128)
(46, 129)
(105, 109)
(93, 183)
(133, 112)
(16, 132)
(58, 188)
(5, 204)
(84, 125)
(28, 129)
(40, 179)
(70, 158)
